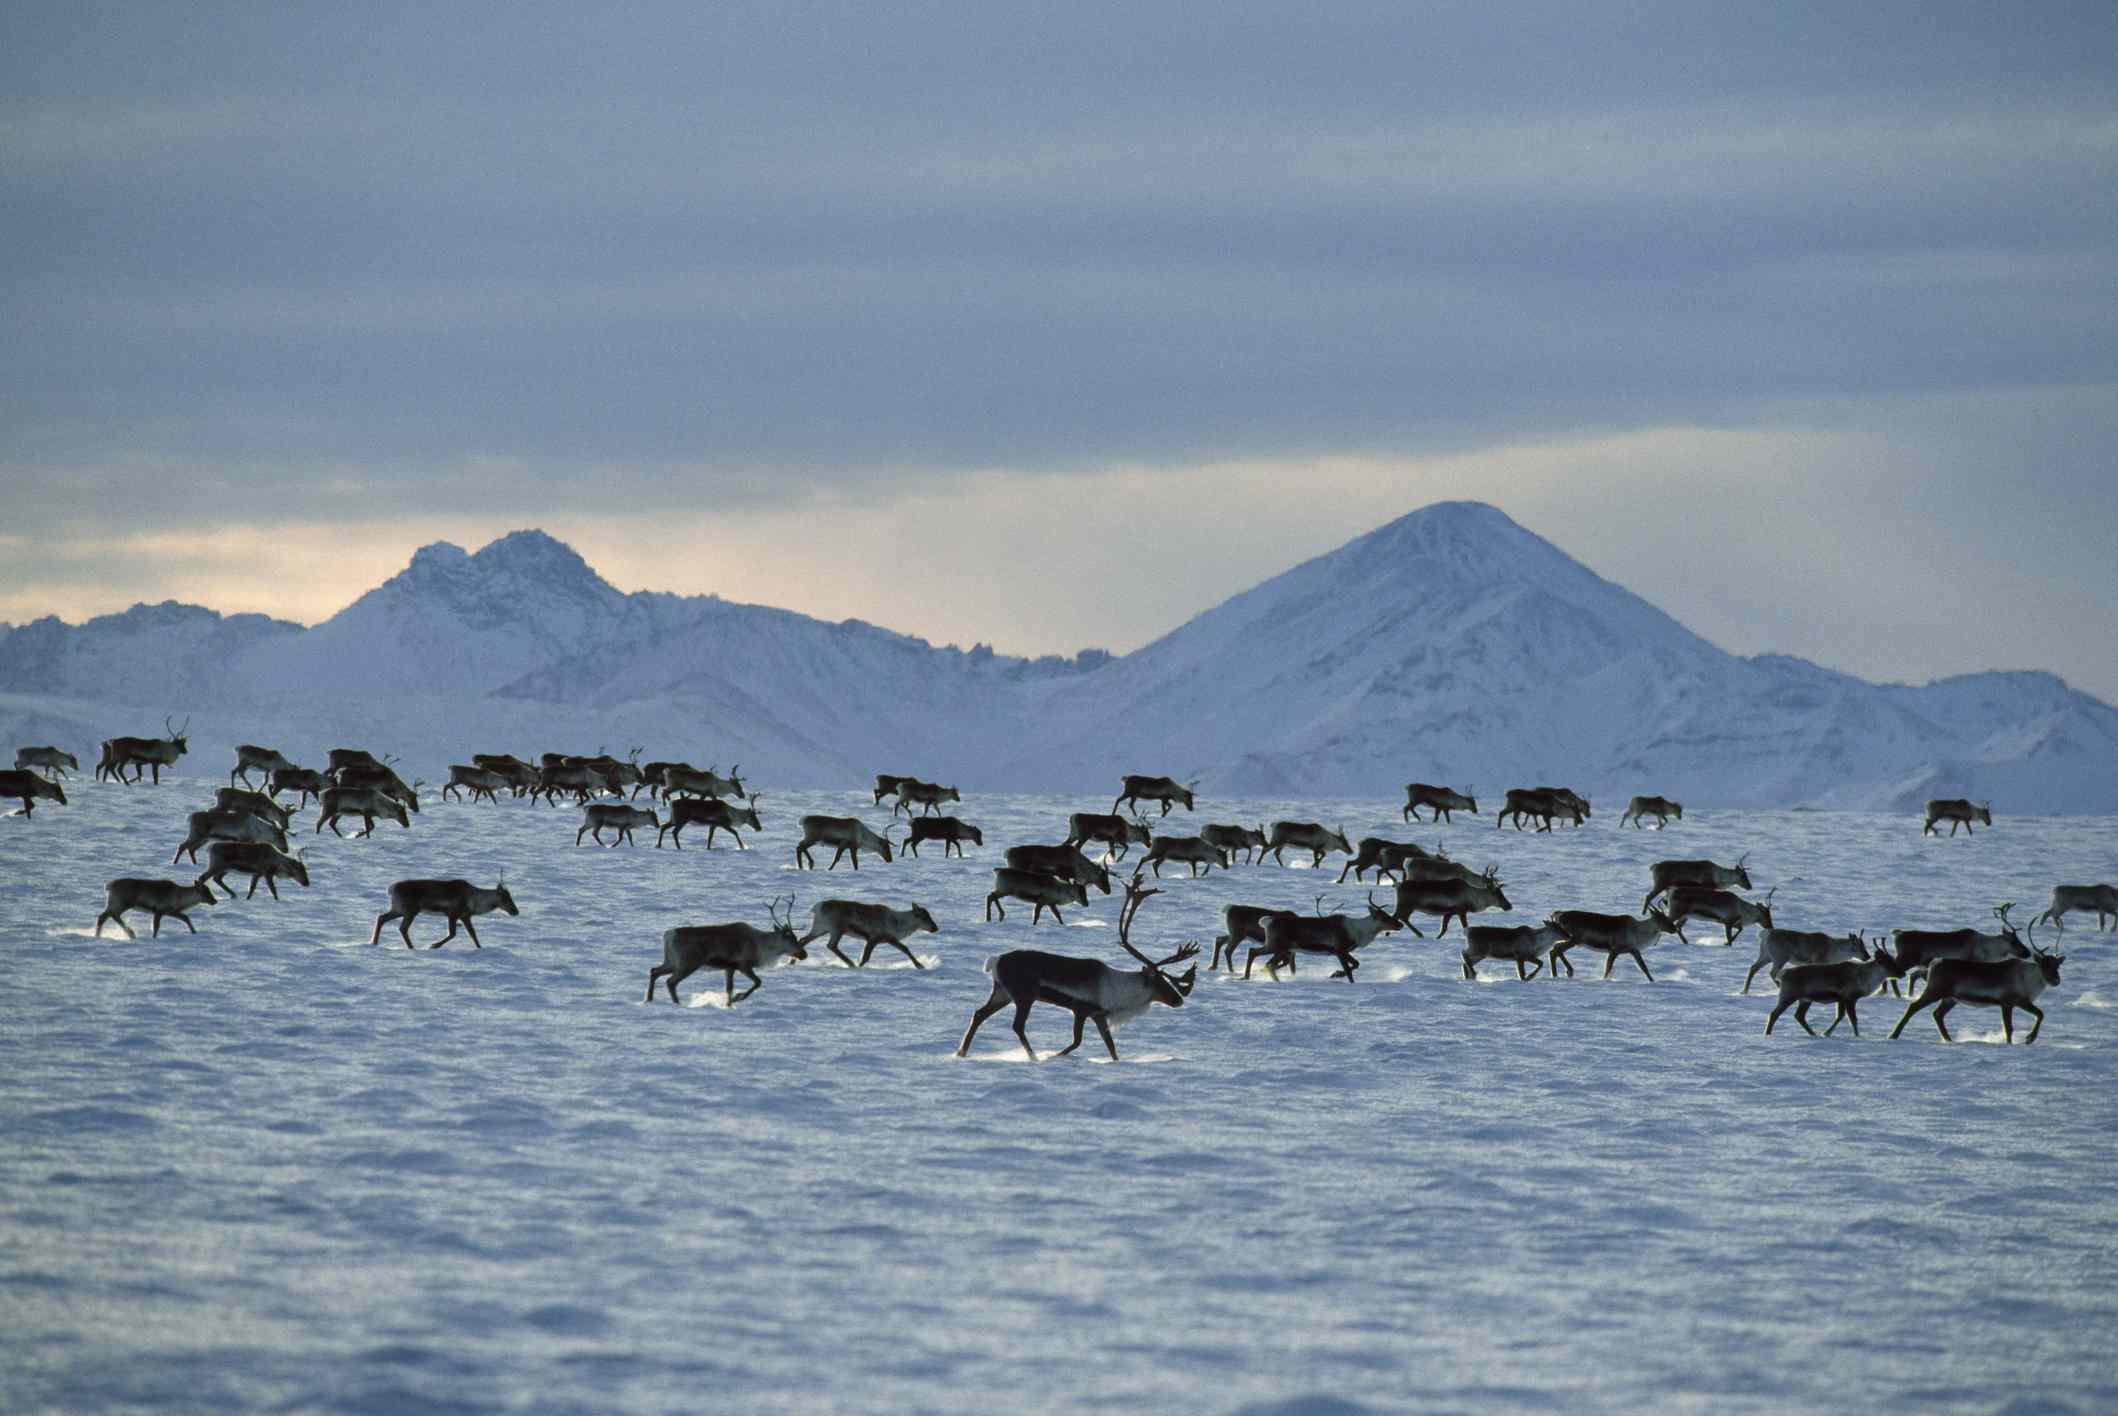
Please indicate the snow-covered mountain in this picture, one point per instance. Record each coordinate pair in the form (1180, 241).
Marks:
(1449, 645)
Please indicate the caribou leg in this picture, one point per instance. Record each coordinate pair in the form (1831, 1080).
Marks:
(832, 945)
(1022, 1018)
(1080, 1022)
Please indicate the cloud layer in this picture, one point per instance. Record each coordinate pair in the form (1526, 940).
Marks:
(722, 268)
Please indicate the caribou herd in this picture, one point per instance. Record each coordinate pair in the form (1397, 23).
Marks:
(247, 831)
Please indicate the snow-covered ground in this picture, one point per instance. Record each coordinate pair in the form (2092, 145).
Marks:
(270, 1167)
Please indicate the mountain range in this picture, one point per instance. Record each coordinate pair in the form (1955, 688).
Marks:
(1450, 645)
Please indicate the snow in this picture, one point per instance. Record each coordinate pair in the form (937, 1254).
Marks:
(269, 1166)
(1449, 645)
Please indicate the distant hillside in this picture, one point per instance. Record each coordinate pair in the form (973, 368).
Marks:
(1450, 645)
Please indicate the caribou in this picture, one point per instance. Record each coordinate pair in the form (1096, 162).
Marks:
(1090, 989)
(1451, 899)
(1731, 911)
(338, 759)
(1241, 923)
(1195, 851)
(1043, 892)
(928, 796)
(53, 762)
(1779, 948)
(1236, 838)
(1117, 833)
(620, 775)
(251, 758)
(1524, 945)
(951, 832)
(256, 803)
(712, 813)
(365, 802)
(29, 788)
(162, 898)
(652, 778)
(227, 826)
(1336, 934)
(1957, 812)
(382, 778)
(1666, 875)
(1543, 803)
(456, 900)
(887, 785)
(734, 948)
(580, 778)
(478, 783)
(875, 924)
(143, 753)
(1306, 836)
(1845, 983)
(521, 776)
(2081, 899)
(616, 816)
(1163, 789)
(2006, 984)
(1386, 858)
(1610, 935)
(306, 781)
(1441, 800)
(256, 860)
(843, 834)
(1063, 861)
(1661, 808)
(680, 779)
(1921, 947)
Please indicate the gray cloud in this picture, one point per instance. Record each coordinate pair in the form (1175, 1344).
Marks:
(323, 262)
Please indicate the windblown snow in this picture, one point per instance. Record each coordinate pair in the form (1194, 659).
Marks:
(270, 1167)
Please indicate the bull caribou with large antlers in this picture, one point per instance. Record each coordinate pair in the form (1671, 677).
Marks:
(1090, 989)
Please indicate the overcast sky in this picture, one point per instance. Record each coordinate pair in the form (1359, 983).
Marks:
(1052, 325)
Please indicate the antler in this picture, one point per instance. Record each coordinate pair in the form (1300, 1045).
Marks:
(1189, 950)
(1136, 894)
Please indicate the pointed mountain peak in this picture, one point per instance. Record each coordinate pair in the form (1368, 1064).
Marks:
(534, 552)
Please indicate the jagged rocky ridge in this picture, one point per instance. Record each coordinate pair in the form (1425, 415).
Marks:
(1449, 645)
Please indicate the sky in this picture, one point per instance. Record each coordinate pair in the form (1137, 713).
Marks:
(1049, 326)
